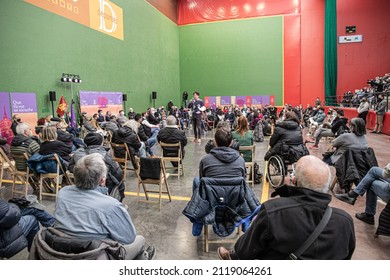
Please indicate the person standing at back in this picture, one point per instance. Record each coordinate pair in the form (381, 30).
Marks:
(198, 107)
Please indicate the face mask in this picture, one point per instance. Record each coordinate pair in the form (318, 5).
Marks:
(18, 120)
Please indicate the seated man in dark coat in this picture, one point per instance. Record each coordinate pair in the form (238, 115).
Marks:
(94, 142)
(283, 224)
(171, 134)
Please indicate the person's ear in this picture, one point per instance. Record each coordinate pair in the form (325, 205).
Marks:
(102, 181)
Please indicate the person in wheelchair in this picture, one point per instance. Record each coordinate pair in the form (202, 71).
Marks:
(287, 140)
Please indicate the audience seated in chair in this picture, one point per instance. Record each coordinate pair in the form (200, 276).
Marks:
(222, 161)
(82, 211)
(354, 140)
(50, 144)
(19, 223)
(171, 134)
(114, 178)
(332, 130)
(283, 224)
(287, 139)
(376, 184)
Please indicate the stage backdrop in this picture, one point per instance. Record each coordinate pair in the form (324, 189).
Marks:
(5, 117)
(92, 101)
(25, 105)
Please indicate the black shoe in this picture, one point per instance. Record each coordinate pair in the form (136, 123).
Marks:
(373, 131)
(346, 198)
(365, 218)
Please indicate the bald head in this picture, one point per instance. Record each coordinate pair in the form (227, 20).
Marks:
(312, 173)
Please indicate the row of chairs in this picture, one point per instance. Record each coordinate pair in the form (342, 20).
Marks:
(25, 177)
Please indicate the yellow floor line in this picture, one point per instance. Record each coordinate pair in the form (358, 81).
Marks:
(265, 192)
(180, 198)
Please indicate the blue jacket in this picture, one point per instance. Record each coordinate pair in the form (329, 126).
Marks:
(225, 203)
(40, 164)
(12, 240)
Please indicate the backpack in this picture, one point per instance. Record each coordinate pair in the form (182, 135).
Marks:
(258, 176)
(258, 135)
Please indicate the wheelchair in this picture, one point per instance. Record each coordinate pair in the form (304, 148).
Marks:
(278, 169)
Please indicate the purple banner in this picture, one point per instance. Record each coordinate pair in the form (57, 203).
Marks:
(23, 102)
(5, 117)
(256, 100)
(265, 100)
(240, 100)
(226, 100)
(92, 101)
(213, 102)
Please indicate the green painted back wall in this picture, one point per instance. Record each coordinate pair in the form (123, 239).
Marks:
(38, 46)
(240, 57)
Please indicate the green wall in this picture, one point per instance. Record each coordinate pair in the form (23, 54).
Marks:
(38, 46)
(240, 57)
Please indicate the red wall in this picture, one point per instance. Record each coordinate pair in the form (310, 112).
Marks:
(312, 51)
(358, 62)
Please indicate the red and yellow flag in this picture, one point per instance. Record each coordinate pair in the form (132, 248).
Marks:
(62, 106)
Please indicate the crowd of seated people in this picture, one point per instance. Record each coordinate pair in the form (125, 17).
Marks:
(370, 93)
(140, 131)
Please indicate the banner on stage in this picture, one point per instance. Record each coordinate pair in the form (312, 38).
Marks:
(25, 105)
(239, 100)
(92, 101)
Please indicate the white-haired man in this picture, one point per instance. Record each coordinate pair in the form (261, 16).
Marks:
(84, 212)
(284, 224)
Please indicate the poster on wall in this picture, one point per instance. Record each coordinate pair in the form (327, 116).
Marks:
(256, 100)
(265, 100)
(92, 101)
(241, 101)
(226, 100)
(5, 118)
(24, 104)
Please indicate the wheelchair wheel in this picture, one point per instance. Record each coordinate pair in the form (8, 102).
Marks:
(275, 171)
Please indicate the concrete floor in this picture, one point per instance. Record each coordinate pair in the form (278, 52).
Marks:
(170, 231)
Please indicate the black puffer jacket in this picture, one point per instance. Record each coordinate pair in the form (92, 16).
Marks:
(12, 239)
(125, 135)
(283, 224)
(287, 140)
(289, 132)
(223, 202)
(337, 123)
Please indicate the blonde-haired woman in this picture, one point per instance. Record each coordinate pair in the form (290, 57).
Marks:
(50, 144)
(244, 136)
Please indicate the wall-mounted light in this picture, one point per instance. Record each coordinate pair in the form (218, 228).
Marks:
(70, 78)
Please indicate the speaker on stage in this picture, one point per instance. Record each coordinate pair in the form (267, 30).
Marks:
(124, 97)
(52, 95)
(154, 95)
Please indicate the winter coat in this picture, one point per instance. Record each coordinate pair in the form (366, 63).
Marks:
(114, 172)
(283, 225)
(21, 144)
(125, 135)
(222, 162)
(172, 135)
(353, 165)
(56, 147)
(12, 240)
(287, 141)
(224, 202)
(42, 165)
(319, 117)
(347, 141)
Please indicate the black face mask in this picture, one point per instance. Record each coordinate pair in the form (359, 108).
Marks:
(18, 120)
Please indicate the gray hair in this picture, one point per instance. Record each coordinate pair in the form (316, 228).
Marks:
(89, 170)
(224, 124)
(313, 173)
(171, 120)
(21, 128)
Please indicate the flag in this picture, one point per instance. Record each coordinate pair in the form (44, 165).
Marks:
(72, 116)
(62, 106)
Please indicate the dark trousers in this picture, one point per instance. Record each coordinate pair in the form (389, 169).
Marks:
(197, 125)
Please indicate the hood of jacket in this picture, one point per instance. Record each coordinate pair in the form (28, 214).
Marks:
(225, 154)
(290, 125)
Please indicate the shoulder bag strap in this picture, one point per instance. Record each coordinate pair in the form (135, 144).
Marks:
(313, 236)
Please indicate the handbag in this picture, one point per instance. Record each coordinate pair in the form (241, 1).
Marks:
(313, 236)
